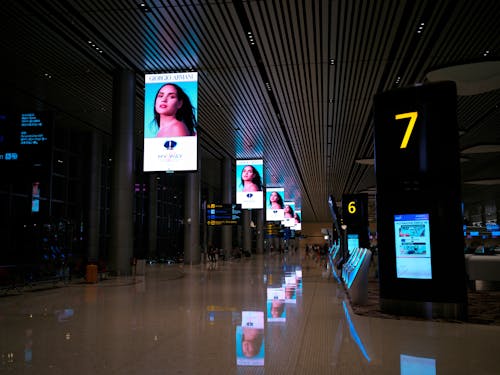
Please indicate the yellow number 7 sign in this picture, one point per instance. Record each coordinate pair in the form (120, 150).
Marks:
(413, 118)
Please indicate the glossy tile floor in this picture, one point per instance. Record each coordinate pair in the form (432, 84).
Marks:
(184, 320)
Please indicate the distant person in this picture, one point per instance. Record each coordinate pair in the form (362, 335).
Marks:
(288, 212)
(276, 201)
(251, 341)
(173, 112)
(250, 179)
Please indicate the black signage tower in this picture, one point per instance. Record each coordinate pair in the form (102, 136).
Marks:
(419, 219)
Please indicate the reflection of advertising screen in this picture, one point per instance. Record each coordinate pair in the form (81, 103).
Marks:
(249, 183)
(35, 197)
(170, 118)
(250, 348)
(289, 214)
(276, 307)
(275, 204)
(291, 287)
(413, 246)
(417, 365)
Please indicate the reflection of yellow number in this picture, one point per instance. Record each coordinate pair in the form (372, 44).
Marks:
(413, 118)
(351, 207)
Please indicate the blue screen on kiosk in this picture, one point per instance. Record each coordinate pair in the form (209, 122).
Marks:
(413, 246)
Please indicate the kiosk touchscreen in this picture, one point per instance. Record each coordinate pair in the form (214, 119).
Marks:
(413, 246)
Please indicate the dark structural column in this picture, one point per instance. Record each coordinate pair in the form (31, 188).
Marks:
(122, 242)
(94, 195)
(260, 231)
(227, 241)
(247, 234)
(153, 215)
(192, 249)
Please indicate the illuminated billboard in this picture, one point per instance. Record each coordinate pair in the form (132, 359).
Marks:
(289, 214)
(298, 220)
(170, 122)
(249, 183)
(275, 204)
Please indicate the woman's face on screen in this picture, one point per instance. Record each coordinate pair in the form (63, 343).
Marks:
(167, 101)
(247, 174)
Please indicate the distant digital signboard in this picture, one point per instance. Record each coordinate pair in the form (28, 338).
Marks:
(249, 183)
(223, 214)
(275, 204)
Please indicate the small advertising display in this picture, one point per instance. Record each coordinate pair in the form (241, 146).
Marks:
(223, 214)
(249, 183)
(276, 307)
(275, 204)
(289, 214)
(413, 246)
(170, 121)
(297, 220)
(250, 347)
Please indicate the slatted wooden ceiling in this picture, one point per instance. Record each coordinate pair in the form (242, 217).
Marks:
(290, 81)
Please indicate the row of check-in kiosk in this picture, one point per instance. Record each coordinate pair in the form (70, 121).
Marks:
(352, 266)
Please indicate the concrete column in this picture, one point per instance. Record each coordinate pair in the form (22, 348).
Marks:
(122, 240)
(246, 230)
(260, 231)
(227, 197)
(94, 195)
(152, 215)
(192, 248)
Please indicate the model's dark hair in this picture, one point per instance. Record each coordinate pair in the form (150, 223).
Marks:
(184, 114)
(256, 177)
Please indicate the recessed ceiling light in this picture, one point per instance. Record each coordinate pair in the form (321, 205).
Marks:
(495, 181)
(366, 161)
(481, 149)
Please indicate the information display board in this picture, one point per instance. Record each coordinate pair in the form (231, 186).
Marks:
(223, 214)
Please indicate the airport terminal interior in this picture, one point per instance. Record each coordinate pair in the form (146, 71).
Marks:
(249, 187)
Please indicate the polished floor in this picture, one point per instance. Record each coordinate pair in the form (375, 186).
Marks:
(187, 320)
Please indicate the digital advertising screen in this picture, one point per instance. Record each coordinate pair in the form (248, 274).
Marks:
(275, 204)
(276, 306)
(250, 183)
(413, 246)
(297, 220)
(250, 346)
(170, 122)
(289, 214)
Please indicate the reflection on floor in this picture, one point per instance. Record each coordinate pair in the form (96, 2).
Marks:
(222, 319)
(483, 306)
